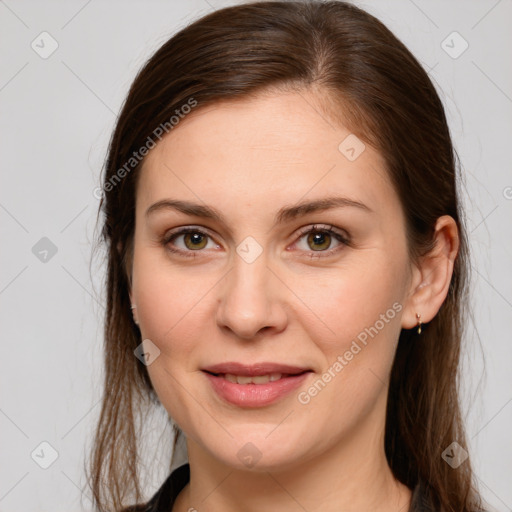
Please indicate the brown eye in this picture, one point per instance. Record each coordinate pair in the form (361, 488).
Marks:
(319, 240)
(195, 240)
(187, 241)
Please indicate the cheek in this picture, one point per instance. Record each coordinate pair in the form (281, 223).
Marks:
(356, 339)
(357, 314)
(168, 305)
(167, 299)
(348, 300)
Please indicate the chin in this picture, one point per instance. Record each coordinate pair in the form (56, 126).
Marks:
(259, 452)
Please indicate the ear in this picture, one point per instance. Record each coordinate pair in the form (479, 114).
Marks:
(134, 309)
(431, 277)
(126, 261)
(130, 292)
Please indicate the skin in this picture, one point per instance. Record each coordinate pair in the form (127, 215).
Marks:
(248, 159)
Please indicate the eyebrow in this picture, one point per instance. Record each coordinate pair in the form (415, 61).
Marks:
(283, 215)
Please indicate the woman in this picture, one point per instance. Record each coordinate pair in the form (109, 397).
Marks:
(287, 270)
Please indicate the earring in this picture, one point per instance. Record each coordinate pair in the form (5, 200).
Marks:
(419, 323)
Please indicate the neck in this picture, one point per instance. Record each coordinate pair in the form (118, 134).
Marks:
(351, 476)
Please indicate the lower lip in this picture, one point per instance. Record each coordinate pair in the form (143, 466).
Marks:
(255, 395)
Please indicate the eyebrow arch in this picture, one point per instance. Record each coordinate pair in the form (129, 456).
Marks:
(283, 215)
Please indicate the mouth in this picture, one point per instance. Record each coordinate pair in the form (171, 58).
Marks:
(255, 369)
(254, 385)
(255, 379)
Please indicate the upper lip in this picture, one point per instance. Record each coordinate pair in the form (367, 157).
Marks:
(251, 370)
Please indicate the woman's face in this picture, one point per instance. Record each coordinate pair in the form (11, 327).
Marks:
(307, 300)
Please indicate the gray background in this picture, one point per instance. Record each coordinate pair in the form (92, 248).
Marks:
(57, 114)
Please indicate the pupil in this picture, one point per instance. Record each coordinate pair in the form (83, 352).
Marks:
(319, 239)
(194, 240)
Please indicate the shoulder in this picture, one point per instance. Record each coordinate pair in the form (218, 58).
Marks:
(164, 498)
(144, 507)
(423, 500)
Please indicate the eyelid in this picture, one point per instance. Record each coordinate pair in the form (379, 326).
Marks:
(324, 227)
(342, 236)
(168, 236)
(187, 229)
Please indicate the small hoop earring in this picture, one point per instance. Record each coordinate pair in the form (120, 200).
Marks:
(419, 323)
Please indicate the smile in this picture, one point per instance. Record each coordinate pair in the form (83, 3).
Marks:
(250, 391)
(257, 379)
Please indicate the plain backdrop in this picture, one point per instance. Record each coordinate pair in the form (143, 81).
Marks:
(57, 114)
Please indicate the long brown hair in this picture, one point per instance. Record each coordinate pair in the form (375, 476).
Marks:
(367, 78)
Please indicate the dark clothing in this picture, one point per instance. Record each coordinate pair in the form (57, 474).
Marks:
(163, 500)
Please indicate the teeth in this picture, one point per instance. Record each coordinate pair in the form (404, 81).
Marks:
(260, 379)
(257, 379)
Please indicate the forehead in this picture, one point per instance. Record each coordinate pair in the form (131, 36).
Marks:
(262, 151)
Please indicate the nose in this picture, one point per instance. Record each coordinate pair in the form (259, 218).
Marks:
(251, 300)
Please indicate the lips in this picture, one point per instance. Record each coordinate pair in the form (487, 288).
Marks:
(255, 385)
(256, 369)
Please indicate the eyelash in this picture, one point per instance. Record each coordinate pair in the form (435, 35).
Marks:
(344, 240)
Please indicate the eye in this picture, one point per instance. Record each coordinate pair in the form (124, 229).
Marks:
(320, 240)
(193, 239)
